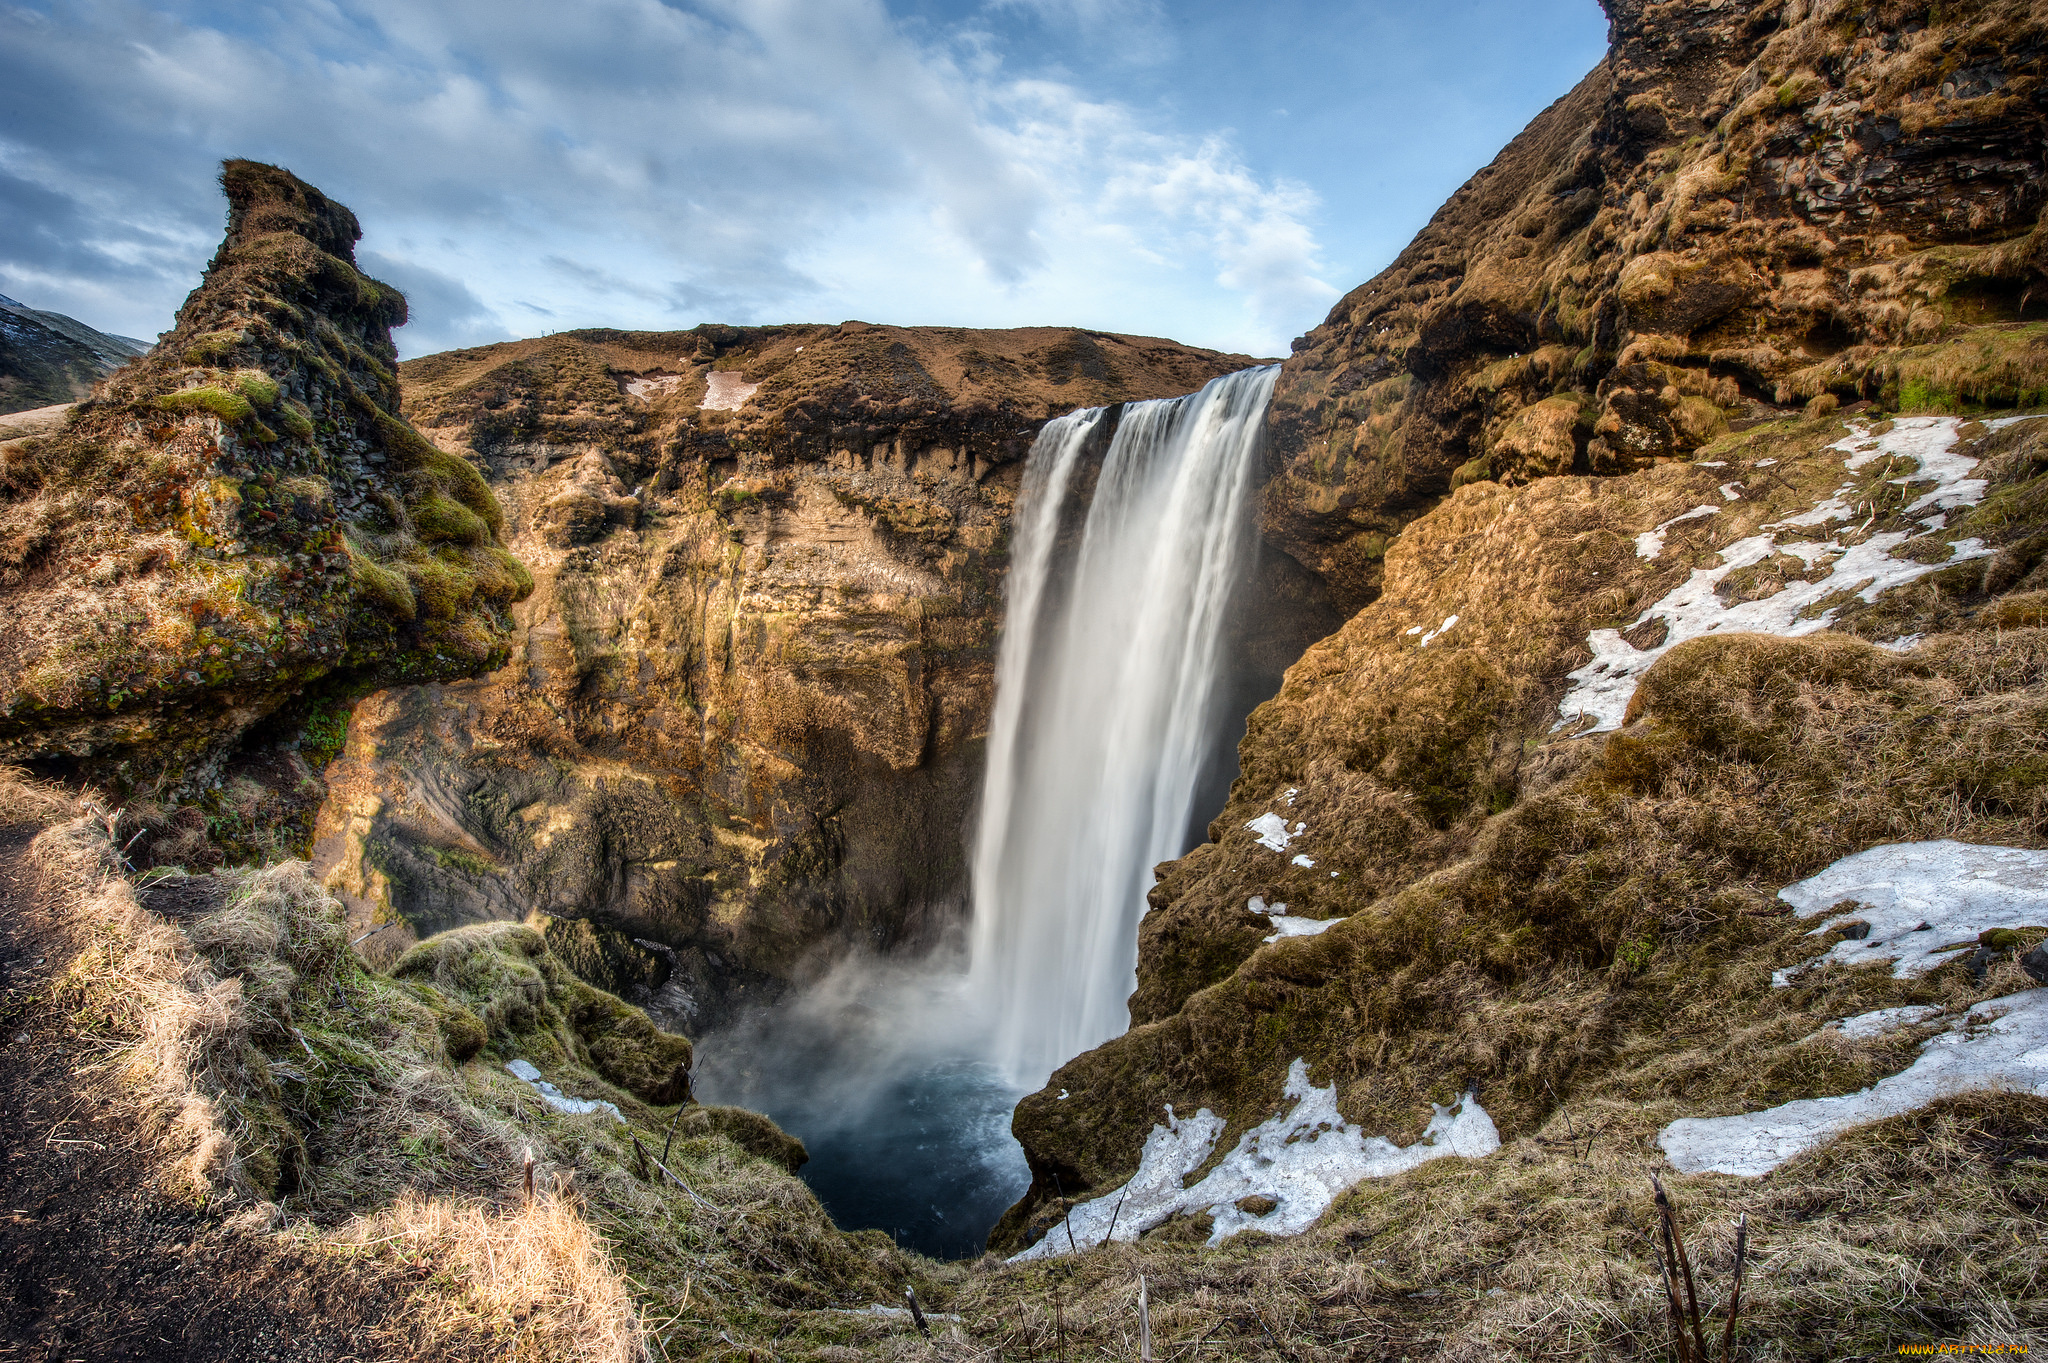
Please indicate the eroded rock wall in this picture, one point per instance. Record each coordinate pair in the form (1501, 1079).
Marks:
(741, 727)
(1745, 207)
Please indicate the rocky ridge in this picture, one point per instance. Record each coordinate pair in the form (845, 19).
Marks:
(48, 359)
(1745, 207)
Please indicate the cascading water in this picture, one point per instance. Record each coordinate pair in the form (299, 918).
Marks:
(1111, 693)
(1107, 704)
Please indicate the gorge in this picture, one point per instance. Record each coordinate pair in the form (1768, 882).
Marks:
(1348, 821)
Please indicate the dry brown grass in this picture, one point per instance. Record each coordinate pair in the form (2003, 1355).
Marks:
(1922, 1227)
(535, 1278)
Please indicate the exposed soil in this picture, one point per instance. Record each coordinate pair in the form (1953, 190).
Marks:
(97, 1265)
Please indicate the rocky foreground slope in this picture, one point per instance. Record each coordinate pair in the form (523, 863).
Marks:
(743, 717)
(1679, 478)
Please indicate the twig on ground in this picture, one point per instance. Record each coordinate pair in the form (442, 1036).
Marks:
(1735, 1293)
(917, 1312)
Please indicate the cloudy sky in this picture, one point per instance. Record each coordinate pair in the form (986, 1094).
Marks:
(1214, 172)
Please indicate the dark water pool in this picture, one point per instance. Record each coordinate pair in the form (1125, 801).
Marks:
(901, 1140)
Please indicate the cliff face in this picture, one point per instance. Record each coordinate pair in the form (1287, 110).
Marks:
(744, 711)
(1625, 466)
(237, 533)
(1745, 207)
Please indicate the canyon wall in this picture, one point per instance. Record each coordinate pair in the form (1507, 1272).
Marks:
(740, 730)
(1699, 358)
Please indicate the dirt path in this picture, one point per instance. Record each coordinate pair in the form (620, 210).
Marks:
(94, 1264)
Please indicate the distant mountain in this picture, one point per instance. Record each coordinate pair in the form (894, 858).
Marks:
(48, 358)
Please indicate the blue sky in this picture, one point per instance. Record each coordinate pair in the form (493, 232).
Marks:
(1215, 173)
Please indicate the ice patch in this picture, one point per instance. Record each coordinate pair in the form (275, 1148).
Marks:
(1285, 924)
(1924, 902)
(1650, 543)
(1601, 690)
(1866, 1025)
(2001, 1044)
(1301, 1159)
(555, 1098)
(725, 391)
(1272, 831)
(1449, 620)
(648, 389)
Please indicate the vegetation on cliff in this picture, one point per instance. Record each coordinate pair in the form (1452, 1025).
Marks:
(743, 721)
(1742, 209)
(1630, 413)
(239, 525)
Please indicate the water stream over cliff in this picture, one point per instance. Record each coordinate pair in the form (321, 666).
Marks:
(1108, 691)
(1119, 698)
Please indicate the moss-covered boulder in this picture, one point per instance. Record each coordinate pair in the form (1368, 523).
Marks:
(528, 1005)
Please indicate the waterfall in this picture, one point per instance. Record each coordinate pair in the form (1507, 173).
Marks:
(1107, 704)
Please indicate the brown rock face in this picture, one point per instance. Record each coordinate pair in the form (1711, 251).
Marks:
(236, 534)
(744, 712)
(1618, 359)
(1744, 207)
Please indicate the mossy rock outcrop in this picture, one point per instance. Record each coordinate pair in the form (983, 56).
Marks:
(527, 1005)
(241, 525)
(1737, 211)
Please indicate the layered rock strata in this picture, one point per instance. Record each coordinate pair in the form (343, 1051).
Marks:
(1745, 207)
(741, 728)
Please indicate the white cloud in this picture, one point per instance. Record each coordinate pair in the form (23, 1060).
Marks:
(632, 163)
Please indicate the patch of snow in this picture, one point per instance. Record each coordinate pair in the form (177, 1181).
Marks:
(1765, 463)
(1650, 543)
(649, 388)
(555, 1098)
(1731, 492)
(1302, 1159)
(891, 1312)
(1300, 860)
(725, 390)
(1272, 832)
(1413, 629)
(1601, 690)
(1449, 620)
(1905, 644)
(1289, 797)
(1866, 1025)
(1287, 925)
(1924, 902)
(1711, 464)
(2000, 1044)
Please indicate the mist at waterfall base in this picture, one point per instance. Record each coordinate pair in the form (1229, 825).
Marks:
(878, 1068)
(1113, 732)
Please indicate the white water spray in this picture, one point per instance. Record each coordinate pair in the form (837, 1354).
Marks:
(1108, 686)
